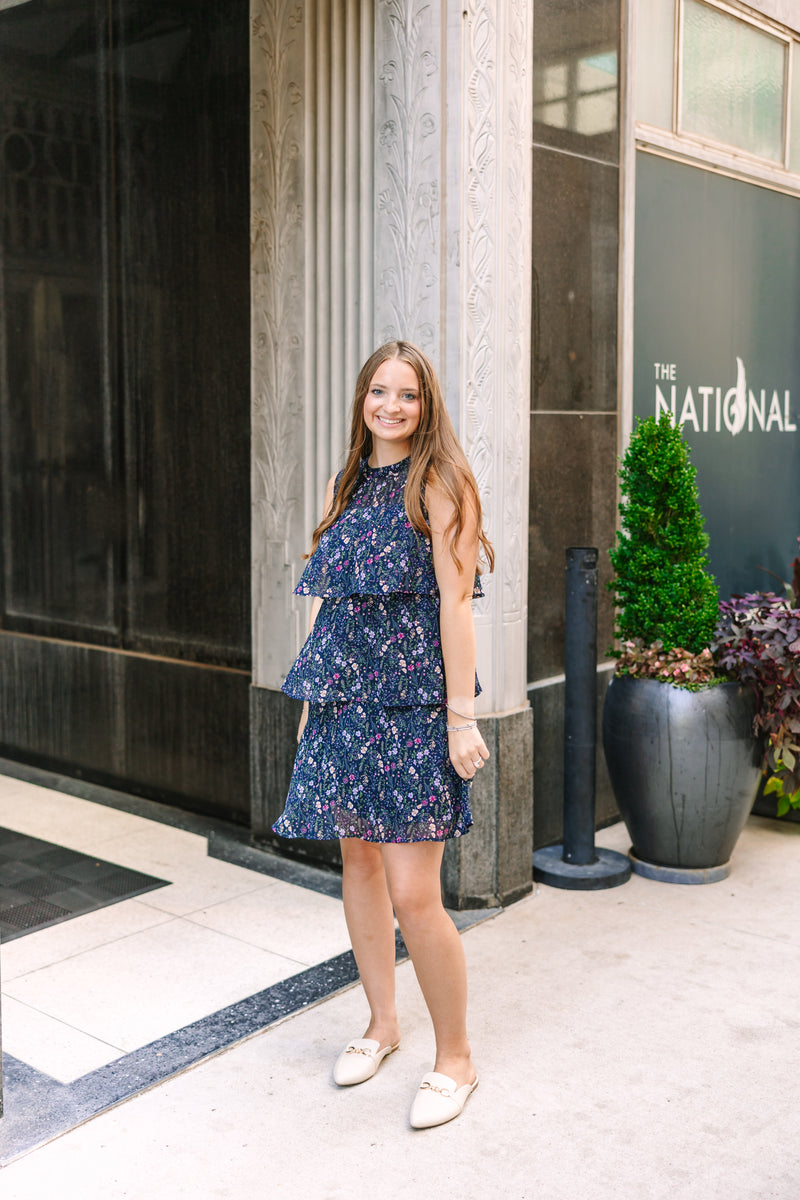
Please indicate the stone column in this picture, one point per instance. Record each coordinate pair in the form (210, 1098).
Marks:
(281, 275)
(391, 154)
(489, 318)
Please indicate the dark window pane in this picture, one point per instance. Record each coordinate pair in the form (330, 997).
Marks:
(573, 496)
(58, 528)
(576, 76)
(124, 386)
(575, 247)
(184, 212)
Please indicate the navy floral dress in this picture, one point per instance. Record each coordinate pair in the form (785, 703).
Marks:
(373, 760)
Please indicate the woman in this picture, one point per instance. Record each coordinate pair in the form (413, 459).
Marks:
(388, 741)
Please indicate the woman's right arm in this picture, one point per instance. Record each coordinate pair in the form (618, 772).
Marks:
(316, 604)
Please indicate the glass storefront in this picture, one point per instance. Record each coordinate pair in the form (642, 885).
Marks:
(125, 393)
(125, 382)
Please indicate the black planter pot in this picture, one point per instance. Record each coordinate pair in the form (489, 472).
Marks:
(685, 768)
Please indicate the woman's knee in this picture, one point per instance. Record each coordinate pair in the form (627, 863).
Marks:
(415, 905)
(360, 860)
(413, 874)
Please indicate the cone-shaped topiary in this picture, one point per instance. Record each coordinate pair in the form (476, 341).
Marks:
(662, 586)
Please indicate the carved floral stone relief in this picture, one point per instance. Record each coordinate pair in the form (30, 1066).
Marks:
(496, 250)
(277, 287)
(480, 250)
(517, 123)
(407, 172)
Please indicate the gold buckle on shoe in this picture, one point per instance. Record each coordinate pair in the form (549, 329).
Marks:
(358, 1050)
(431, 1087)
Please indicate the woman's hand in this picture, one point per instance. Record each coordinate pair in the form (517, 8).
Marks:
(303, 719)
(468, 751)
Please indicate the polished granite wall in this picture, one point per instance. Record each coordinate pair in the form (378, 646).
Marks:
(574, 426)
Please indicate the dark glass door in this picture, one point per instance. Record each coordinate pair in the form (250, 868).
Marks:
(183, 197)
(124, 391)
(58, 465)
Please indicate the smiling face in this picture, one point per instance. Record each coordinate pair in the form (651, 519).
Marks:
(392, 411)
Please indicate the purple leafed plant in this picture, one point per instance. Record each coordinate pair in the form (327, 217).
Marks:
(757, 642)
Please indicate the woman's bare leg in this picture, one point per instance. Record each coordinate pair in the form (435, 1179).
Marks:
(413, 871)
(370, 923)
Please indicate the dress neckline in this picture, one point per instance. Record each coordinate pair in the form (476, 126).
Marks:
(402, 462)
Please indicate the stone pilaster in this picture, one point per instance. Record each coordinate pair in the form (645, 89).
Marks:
(280, 276)
(391, 197)
(409, 137)
(491, 317)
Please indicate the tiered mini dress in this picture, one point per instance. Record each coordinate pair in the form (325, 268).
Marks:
(373, 760)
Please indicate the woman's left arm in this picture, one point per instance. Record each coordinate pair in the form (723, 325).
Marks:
(468, 750)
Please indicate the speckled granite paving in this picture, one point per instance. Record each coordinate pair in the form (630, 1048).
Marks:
(39, 1108)
(217, 942)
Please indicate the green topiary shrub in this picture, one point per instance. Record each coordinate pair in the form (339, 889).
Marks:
(662, 586)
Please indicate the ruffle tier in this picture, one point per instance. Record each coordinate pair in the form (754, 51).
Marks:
(379, 774)
(373, 550)
(382, 649)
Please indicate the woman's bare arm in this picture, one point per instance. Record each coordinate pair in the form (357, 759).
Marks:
(316, 605)
(457, 628)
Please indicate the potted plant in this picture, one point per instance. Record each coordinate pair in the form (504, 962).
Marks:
(678, 736)
(758, 642)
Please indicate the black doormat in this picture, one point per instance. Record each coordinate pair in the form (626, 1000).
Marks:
(42, 884)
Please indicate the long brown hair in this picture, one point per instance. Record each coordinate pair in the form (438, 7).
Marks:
(436, 455)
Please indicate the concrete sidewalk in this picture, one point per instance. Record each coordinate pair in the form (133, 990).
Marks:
(639, 1043)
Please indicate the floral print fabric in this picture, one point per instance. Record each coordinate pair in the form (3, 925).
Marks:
(382, 649)
(372, 550)
(373, 760)
(376, 773)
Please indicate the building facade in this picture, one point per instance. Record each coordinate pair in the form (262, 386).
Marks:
(212, 213)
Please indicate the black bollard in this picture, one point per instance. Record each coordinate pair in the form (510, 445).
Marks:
(580, 706)
(578, 864)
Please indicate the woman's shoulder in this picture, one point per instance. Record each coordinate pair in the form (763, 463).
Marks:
(372, 548)
(443, 499)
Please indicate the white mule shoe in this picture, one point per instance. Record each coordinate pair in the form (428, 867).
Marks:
(359, 1061)
(438, 1100)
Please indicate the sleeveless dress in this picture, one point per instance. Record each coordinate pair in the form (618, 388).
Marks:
(373, 760)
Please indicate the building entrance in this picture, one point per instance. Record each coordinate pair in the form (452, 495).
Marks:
(124, 394)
